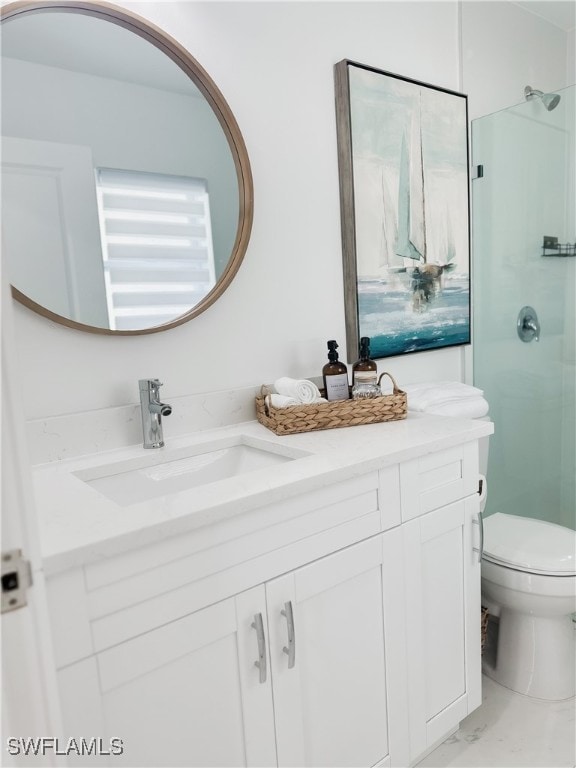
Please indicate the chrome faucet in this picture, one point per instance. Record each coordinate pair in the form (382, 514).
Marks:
(152, 412)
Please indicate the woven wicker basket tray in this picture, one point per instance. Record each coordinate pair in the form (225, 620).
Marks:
(339, 413)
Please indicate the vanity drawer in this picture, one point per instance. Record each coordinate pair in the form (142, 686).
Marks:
(436, 479)
(108, 602)
(232, 530)
(154, 586)
(193, 595)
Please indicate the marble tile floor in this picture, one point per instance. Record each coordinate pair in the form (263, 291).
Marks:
(510, 730)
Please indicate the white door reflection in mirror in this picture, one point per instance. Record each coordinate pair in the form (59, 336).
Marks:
(50, 227)
(156, 244)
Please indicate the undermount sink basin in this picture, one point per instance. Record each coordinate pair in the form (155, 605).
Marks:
(165, 472)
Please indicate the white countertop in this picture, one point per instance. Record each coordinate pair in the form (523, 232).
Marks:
(79, 525)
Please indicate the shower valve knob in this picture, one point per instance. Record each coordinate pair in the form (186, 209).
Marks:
(528, 325)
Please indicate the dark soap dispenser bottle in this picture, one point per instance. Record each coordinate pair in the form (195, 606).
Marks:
(335, 375)
(364, 370)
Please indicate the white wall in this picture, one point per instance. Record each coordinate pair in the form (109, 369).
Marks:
(504, 49)
(274, 64)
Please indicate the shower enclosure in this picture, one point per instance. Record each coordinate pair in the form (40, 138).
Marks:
(524, 236)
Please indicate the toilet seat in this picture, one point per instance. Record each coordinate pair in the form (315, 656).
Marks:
(522, 569)
(528, 545)
(529, 582)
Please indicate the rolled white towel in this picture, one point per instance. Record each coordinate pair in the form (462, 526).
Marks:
(422, 397)
(302, 390)
(281, 401)
(467, 408)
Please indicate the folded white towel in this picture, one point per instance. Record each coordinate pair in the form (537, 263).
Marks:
(467, 408)
(281, 401)
(302, 390)
(422, 397)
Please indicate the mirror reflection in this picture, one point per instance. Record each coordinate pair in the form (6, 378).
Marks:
(121, 200)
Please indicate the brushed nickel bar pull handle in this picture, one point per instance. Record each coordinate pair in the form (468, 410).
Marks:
(258, 625)
(480, 523)
(291, 650)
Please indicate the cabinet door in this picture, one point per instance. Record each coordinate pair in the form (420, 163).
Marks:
(189, 693)
(442, 575)
(328, 669)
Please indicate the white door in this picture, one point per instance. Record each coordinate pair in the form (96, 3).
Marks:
(328, 665)
(442, 572)
(51, 233)
(29, 697)
(186, 694)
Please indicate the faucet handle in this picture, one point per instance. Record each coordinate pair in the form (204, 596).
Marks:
(147, 384)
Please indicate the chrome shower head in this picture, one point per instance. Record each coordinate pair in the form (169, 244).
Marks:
(550, 100)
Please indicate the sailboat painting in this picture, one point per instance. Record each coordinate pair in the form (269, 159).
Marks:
(403, 159)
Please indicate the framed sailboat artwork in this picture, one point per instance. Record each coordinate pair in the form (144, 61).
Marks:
(405, 211)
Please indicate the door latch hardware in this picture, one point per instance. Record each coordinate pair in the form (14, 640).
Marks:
(16, 579)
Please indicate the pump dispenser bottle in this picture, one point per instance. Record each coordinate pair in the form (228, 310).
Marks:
(335, 375)
(364, 370)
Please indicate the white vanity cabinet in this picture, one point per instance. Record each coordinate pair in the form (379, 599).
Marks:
(442, 589)
(327, 646)
(338, 627)
(189, 693)
(291, 672)
(158, 647)
(185, 694)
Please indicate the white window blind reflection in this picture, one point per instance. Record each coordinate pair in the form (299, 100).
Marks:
(156, 245)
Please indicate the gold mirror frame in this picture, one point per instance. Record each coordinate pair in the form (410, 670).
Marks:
(210, 91)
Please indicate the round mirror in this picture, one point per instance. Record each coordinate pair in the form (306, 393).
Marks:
(126, 185)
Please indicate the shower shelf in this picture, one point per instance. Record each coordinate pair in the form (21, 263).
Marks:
(551, 247)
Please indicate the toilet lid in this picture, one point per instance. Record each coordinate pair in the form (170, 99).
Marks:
(530, 545)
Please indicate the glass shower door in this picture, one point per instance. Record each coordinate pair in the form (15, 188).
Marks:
(526, 194)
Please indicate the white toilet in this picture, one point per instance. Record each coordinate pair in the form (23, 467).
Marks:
(529, 580)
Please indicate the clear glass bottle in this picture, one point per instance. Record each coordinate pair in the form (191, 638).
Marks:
(365, 370)
(335, 375)
(363, 390)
